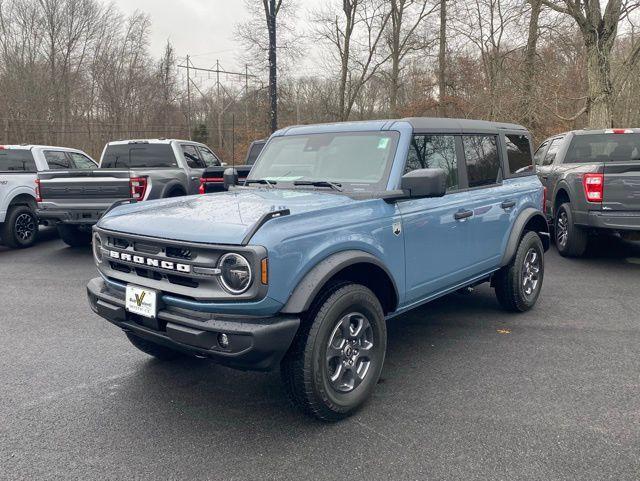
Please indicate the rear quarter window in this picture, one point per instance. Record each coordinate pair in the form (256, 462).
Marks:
(138, 156)
(482, 159)
(518, 154)
(16, 160)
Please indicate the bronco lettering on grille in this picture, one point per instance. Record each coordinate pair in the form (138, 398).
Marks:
(148, 261)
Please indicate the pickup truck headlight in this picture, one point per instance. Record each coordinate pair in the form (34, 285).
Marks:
(235, 273)
(97, 248)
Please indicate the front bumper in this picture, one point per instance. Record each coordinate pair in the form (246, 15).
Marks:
(614, 220)
(255, 343)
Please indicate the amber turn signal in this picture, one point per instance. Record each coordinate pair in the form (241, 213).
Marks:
(264, 271)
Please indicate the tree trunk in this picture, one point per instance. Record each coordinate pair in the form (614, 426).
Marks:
(442, 67)
(600, 99)
(273, 65)
(396, 26)
(529, 70)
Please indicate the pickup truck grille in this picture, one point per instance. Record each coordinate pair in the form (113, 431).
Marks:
(184, 269)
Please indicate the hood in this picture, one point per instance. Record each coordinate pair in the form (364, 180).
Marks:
(221, 218)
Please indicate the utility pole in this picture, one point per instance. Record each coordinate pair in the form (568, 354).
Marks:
(188, 99)
(246, 98)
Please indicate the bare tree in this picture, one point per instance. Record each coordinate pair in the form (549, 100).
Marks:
(442, 59)
(407, 17)
(599, 31)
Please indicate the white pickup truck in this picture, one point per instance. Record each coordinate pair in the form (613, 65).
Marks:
(19, 167)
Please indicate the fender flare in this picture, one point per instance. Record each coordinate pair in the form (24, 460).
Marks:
(174, 184)
(313, 281)
(562, 185)
(17, 192)
(522, 220)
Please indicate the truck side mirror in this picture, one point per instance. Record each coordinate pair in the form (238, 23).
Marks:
(230, 177)
(425, 183)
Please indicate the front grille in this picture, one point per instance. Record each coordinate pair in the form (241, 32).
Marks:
(181, 269)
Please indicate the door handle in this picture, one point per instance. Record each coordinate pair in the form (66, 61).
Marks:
(462, 214)
(508, 204)
(194, 177)
(545, 177)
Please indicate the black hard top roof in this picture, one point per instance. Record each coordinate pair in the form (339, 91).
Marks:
(436, 124)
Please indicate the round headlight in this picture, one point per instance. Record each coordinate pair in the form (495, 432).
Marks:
(97, 248)
(235, 273)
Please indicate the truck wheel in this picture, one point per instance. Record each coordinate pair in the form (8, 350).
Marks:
(518, 284)
(156, 350)
(571, 240)
(74, 235)
(20, 228)
(337, 355)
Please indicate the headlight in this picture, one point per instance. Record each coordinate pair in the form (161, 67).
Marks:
(97, 248)
(235, 273)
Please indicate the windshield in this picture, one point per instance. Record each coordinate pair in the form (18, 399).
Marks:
(358, 161)
(138, 155)
(604, 148)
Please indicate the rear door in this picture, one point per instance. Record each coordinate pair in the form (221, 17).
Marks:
(489, 201)
(17, 176)
(195, 166)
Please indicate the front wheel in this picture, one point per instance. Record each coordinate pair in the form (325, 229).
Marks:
(336, 359)
(518, 283)
(74, 235)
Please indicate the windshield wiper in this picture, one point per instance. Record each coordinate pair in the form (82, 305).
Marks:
(270, 183)
(319, 183)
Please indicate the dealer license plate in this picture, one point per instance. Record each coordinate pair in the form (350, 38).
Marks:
(141, 300)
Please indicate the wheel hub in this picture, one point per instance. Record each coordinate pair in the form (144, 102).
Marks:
(348, 352)
(25, 226)
(562, 229)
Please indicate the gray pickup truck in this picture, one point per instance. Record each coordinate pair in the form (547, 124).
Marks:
(592, 181)
(138, 170)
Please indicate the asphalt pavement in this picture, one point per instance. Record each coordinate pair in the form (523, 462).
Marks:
(468, 392)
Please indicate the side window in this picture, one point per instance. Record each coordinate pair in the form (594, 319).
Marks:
(550, 156)
(538, 157)
(434, 151)
(20, 160)
(81, 161)
(208, 157)
(191, 156)
(57, 160)
(518, 154)
(482, 159)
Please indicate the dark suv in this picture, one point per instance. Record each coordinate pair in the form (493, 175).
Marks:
(592, 181)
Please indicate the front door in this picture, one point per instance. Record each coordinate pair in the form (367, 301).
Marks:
(435, 240)
(195, 167)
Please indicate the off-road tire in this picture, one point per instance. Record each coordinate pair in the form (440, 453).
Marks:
(576, 237)
(304, 368)
(156, 350)
(508, 281)
(73, 235)
(19, 218)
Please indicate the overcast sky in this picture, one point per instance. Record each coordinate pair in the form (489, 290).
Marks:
(203, 29)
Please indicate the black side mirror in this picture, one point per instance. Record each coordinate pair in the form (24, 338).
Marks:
(425, 183)
(230, 177)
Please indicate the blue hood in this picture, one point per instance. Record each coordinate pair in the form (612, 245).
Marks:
(221, 218)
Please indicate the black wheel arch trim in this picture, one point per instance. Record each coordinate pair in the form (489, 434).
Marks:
(313, 281)
(562, 185)
(173, 185)
(517, 231)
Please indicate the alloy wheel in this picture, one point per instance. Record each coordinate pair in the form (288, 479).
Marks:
(348, 353)
(562, 229)
(25, 226)
(531, 272)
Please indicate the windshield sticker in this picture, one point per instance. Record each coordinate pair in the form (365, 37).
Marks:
(383, 142)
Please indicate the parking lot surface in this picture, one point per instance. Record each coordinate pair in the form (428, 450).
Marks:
(468, 391)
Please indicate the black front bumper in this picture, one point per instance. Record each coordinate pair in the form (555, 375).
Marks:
(255, 343)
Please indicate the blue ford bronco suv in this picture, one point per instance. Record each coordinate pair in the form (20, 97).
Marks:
(338, 228)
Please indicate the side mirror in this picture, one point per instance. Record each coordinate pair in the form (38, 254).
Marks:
(230, 177)
(425, 183)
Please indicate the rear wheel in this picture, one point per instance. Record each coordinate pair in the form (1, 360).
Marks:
(156, 350)
(571, 240)
(518, 284)
(20, 228)
(74, 235)
(336, 359)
